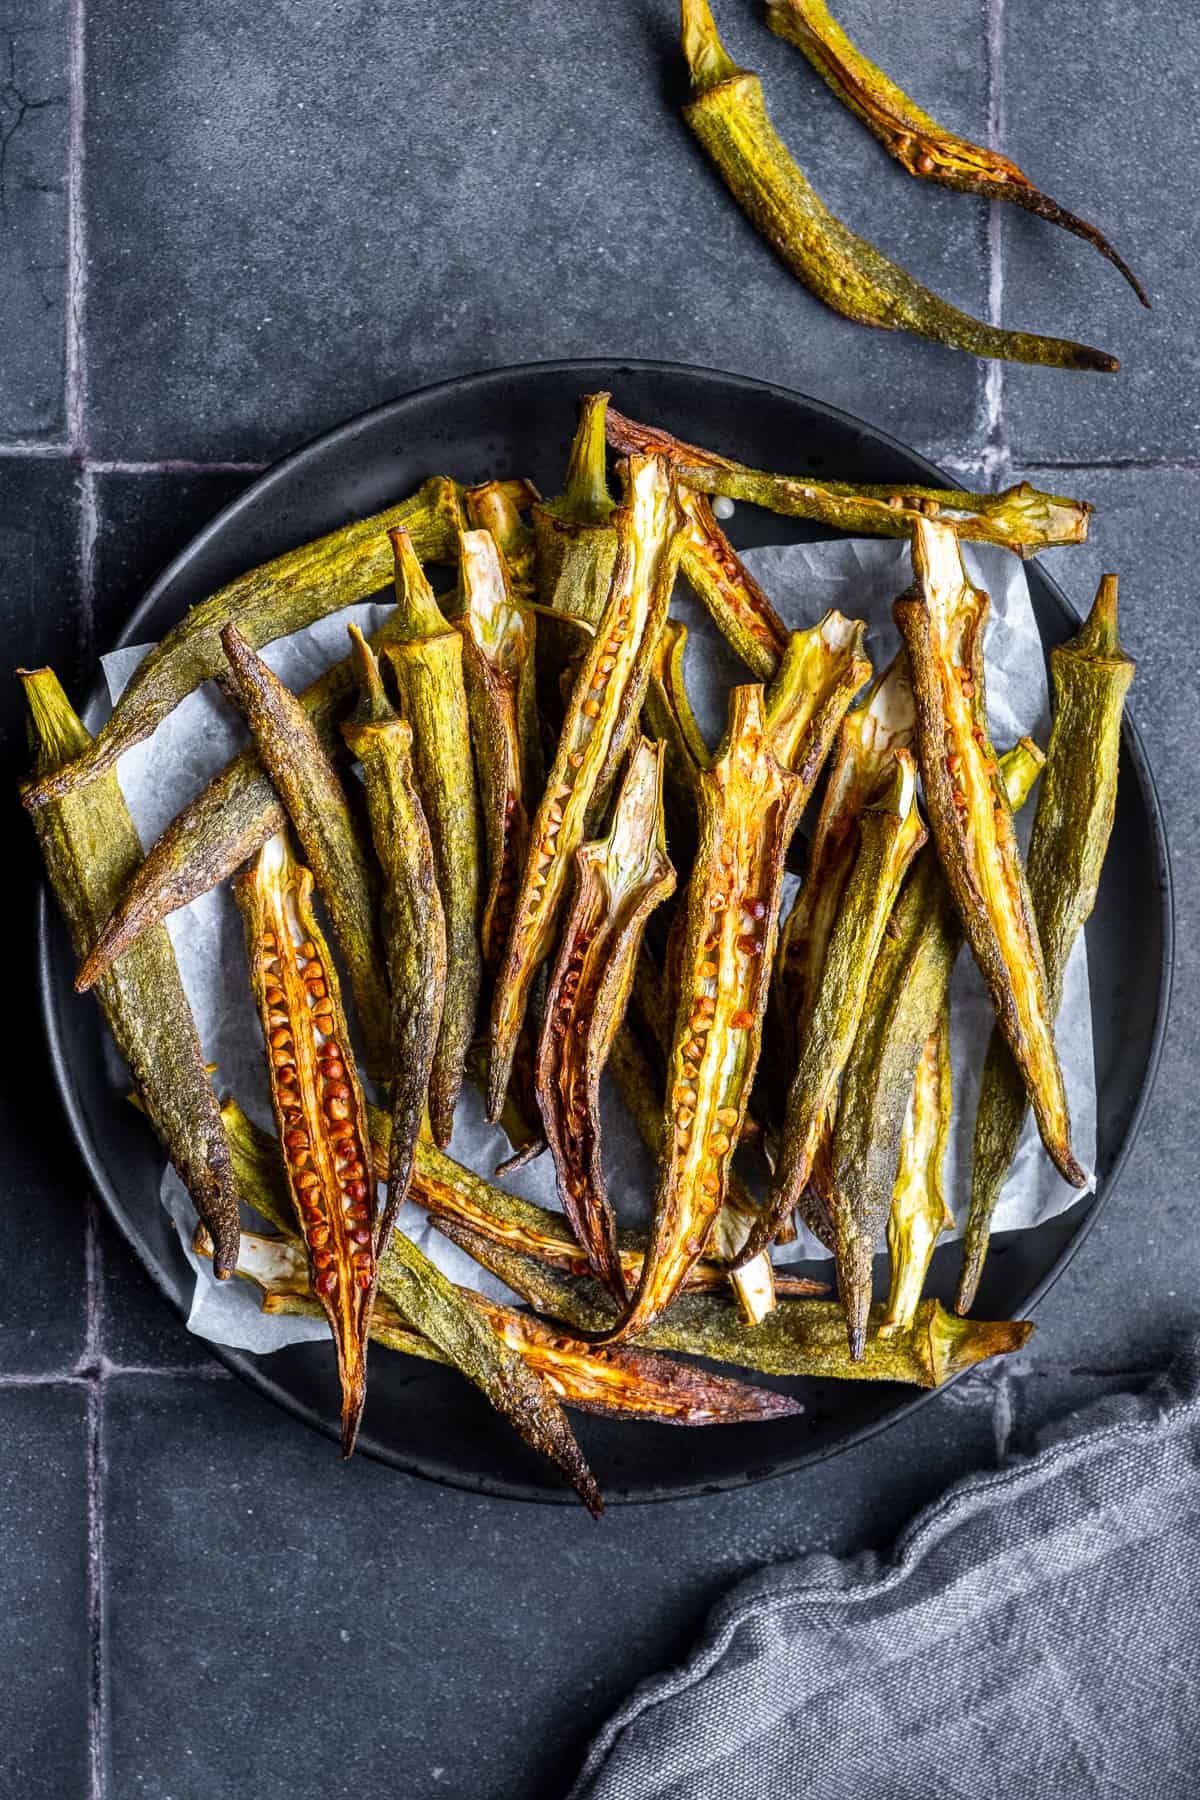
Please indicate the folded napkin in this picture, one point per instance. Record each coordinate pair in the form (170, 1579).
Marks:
(1036, 1634)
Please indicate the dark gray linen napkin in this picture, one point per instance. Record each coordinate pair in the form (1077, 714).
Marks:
(1036, 1633)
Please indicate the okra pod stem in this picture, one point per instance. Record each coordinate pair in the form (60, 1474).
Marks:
(849, 274)
(917, 142)
(1021, 518)
(891, 832)
(800, 1338)
(602, 712)
(427, 661)
(273, 601)
(619, 880)
(941, 620)
(575, 533)
(91, 848)
(1091, 676)
(316, 803)
(320, 1112)
(414, 929)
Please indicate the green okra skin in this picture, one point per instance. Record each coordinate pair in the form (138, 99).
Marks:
(498, 675)
(734, 600)
(668, 717)
(849, 274)
(619, 880)
(890, 834)
(90, 848)
(917, 142)
(1091, 676)
(428, 668)
(941, 619)
(227, 823)
(414, 929)
(800, 1338)
(868, 735)
(433, 1306)
(906, 994)
(575, 533)
(602, 712)
(622, 1384)
(282, 596)
(1021, 518)
(919, 1213)
(315, 801)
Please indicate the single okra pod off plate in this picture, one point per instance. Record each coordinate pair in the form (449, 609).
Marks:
(522, 424)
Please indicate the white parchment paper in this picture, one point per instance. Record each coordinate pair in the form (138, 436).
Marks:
(861, 577)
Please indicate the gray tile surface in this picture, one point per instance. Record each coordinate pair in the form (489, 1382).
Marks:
(45, 1601)
(42, 1321)
(290, 219)
(474, 1644)
(1095, 117)
(33, 216)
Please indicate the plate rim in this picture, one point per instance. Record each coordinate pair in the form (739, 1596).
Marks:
(254, 1370)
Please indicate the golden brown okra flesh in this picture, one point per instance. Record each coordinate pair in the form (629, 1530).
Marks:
(319, 1109)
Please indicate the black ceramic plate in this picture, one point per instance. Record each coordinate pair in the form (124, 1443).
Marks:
(518, 421)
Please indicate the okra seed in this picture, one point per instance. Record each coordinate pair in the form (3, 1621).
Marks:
(727, 1115)
(318, 1236)
(592, 708)
(337, 1108)
(355, 1190)
(360, 1235)
(326, 1281)
(925, 163)
(718, 1144)
(742, 1021)
(710, 1184)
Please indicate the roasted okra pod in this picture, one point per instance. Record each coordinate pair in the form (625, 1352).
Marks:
(575, 533)
(918, 143)
(800, 1338)
(316, 803)
(941, 619)
(619, 880)
(918, 1213)
(90, 849)
(1091, 676)
(1021, 518)
(727, 114)
(601, 715)
(320, 1113)
(735, 602)
(890, 833)
(414, 929)
(273, 601)
(427, 660)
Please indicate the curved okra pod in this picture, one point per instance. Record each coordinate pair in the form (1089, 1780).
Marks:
(1021, 518)
(735, 602)
(90, 848)
(316, 803)
(601, 714)
(941, 620)
(800, 1338)
(727, 114)
(906, 995)
(427, 661)
(918, 1214)
(223, 827)
(619, 1384)
(1091, 677)
(865, 742)
(619, 880)
(498, 674)
(667, 715)
(918, 143)
(320, 1113)
(282, 596)
(890, 833)
(414, 930)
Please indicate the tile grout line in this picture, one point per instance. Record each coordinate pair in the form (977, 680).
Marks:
(97, 1674)
(75, 372)
(997, 454)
